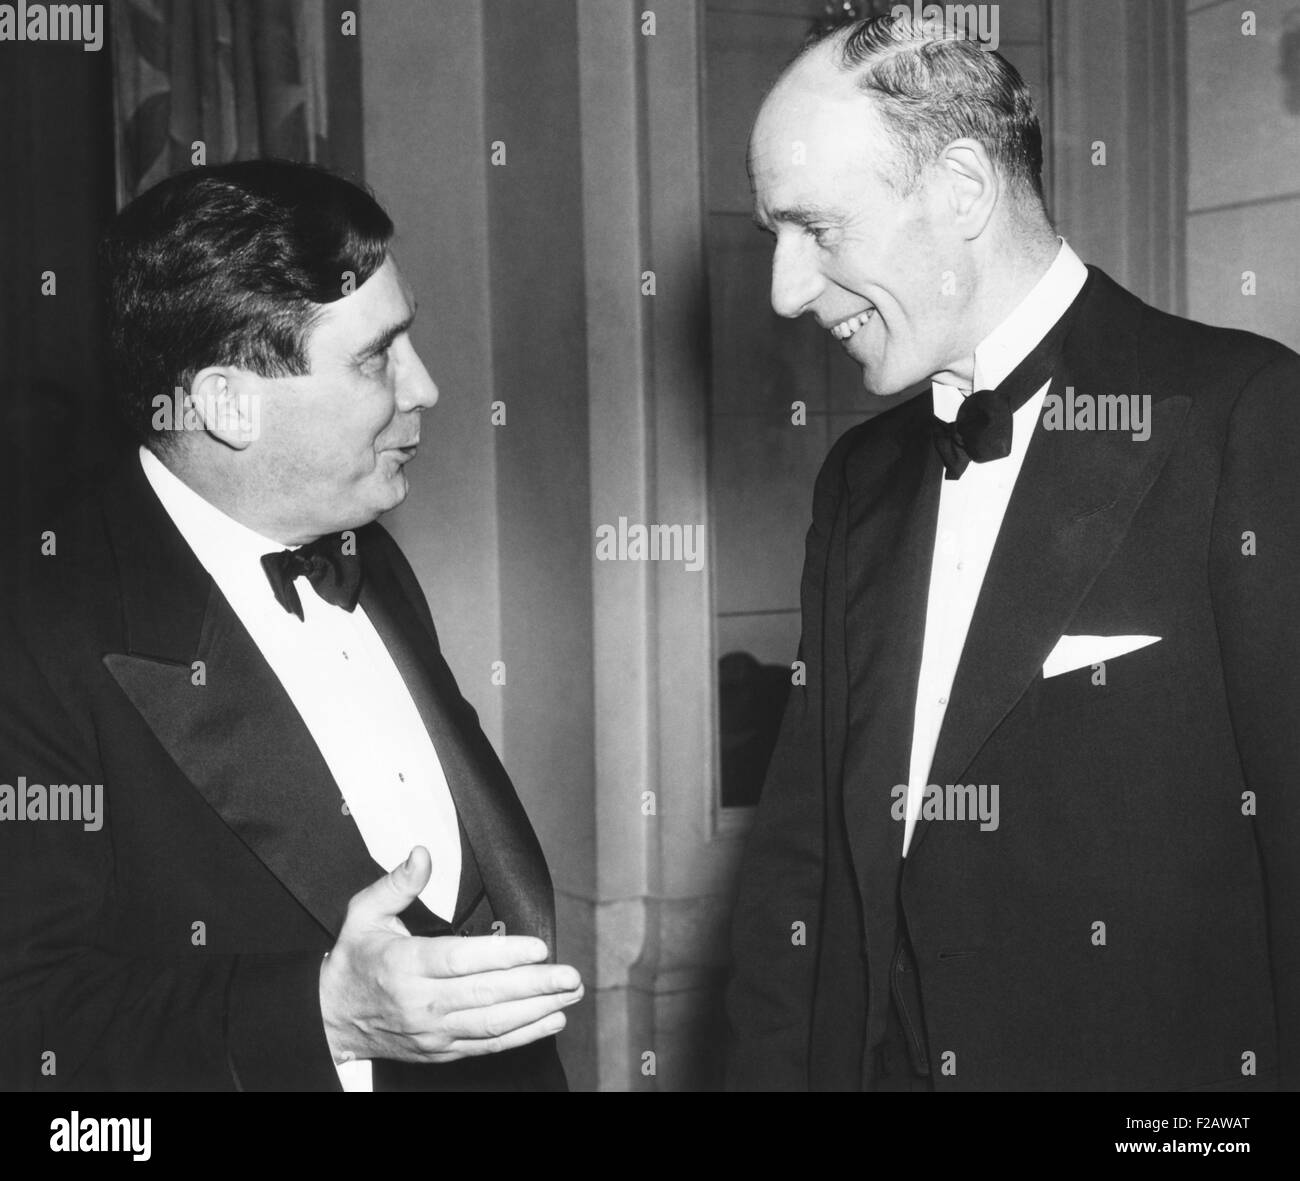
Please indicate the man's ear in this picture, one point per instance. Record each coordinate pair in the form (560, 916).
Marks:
(973, 187)
(227, 402)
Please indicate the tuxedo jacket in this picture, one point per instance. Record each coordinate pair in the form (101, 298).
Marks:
(179, 946)
(1133, 922)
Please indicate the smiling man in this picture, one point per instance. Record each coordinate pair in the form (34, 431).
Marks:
(311, 871)
(1091, 629)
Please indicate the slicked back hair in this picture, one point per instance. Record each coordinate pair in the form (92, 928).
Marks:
(932, 86)
(230, 265)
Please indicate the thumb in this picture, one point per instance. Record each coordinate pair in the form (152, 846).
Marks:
(396, 890)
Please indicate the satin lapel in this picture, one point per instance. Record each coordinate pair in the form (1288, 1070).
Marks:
(893, 482)
(1072, 504)
(509, 858)
(237, 736)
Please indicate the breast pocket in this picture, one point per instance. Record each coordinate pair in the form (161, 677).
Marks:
(1112, 680)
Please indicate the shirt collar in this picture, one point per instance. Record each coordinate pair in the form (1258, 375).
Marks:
(1013, 340)
(228, 550)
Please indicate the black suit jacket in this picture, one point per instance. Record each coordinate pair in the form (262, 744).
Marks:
(1162, 804)
(179, 947)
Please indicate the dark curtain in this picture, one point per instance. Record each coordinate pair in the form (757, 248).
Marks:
(56, 198)
(244, 77)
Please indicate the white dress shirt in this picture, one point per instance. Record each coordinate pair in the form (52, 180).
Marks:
(341, 679)
(971, 511)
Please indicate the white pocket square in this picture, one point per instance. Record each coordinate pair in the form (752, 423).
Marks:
(1073, 652)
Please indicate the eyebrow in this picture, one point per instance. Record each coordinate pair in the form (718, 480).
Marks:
(797, 215)
(380, 342)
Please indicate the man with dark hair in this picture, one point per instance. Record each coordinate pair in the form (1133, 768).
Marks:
(1032, 821)
(223, 708)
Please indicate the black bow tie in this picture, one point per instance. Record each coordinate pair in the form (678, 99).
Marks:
(982, 429)
(332, 568)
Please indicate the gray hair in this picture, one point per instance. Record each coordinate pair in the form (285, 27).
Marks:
(931, 86)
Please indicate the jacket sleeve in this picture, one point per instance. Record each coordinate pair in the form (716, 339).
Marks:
(777, 915)
(84, 1004)
(1254, 575)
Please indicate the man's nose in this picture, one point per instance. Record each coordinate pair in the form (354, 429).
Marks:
(415, 388)
(796, 281)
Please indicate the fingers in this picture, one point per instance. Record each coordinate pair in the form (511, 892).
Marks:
(547, 1026)
(499, 1020)
(486, 989)
(386, 898)
(449, 956)
(439, 999)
